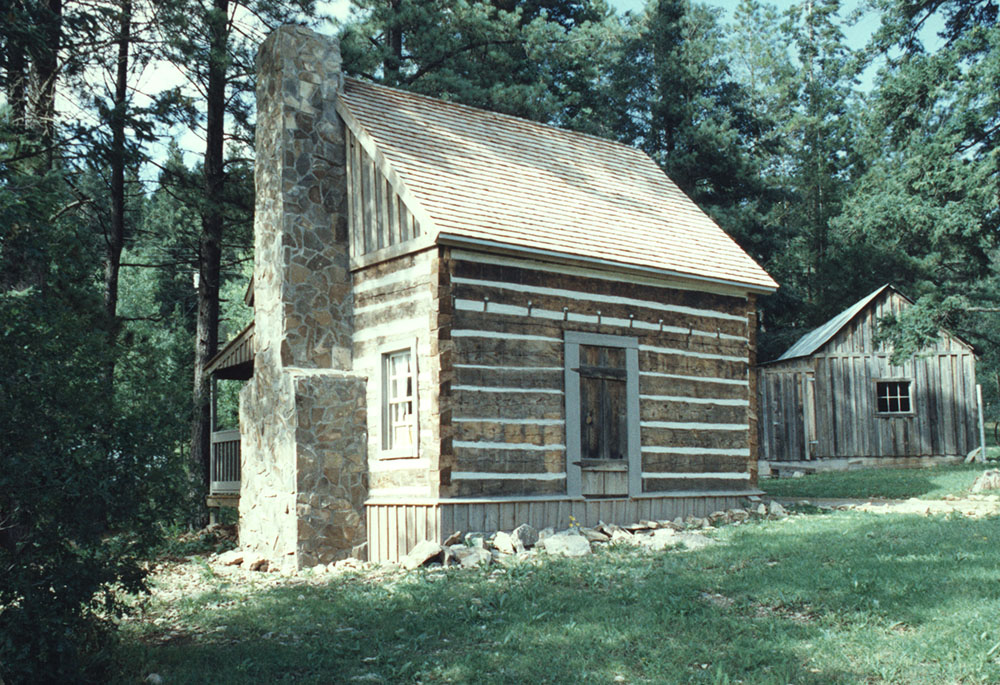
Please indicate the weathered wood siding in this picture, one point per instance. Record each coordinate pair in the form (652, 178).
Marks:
(395, 305)
(505, 377)
(378, 217)
(841, 418)
(782, 429)
(395, 528)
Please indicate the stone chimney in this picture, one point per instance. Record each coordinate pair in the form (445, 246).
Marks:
(302, 416)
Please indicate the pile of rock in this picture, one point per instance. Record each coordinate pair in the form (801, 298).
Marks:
(524, 542)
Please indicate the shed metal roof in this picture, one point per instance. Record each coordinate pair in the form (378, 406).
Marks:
(812, 341)
(490, 177)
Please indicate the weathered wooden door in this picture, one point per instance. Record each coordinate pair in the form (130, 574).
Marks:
(603, 421)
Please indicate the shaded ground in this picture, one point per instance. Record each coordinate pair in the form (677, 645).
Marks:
(837, 597)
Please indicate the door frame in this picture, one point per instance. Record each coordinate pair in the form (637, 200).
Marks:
(574, 471)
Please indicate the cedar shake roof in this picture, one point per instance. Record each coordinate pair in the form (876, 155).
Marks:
(485, 176)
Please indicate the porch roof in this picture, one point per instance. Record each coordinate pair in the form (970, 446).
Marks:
(235, 360)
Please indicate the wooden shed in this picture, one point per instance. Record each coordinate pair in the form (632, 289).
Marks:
(834, 393)
(468, 321)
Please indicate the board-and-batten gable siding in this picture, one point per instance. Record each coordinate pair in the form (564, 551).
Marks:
(395, 304)
(507, 403)
(379, 219)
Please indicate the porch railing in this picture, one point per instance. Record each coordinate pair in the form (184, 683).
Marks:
(225, 463)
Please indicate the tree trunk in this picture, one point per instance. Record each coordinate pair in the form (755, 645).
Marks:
(45, 70)
(210, 249)
(116, 236)
(394, 40)
(16, 78)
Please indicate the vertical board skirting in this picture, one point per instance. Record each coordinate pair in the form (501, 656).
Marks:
(394, 529)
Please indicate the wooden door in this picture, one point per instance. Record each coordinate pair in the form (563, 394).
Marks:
(603, 421)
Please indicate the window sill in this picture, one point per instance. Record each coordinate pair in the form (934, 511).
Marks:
(408, 454)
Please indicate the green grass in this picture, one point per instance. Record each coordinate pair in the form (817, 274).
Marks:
(835, 598)
(924, 483)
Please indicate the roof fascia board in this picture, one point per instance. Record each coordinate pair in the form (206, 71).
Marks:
(219, 357)
(734, 287)
(385, 168)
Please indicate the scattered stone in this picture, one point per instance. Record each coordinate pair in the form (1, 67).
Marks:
(233, 557)
(470, 557)
(546, 532)
(475, 539)
(775, 509)
(635, 527)
(610, 529)
(679, 523)
(988, 480)
(349, 564)
(623, 537)
(424, 553)
(524, 537)
(652, 525)
(453, 539)
(661, 539)
(717, 516)
(255, 562)
(503, 542)
(739, 515)
(154, 679)
(593, 535)
(762, 509)
(798, 474)
(565, 544)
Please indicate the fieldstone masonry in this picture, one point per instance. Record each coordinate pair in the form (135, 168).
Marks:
(303, 413)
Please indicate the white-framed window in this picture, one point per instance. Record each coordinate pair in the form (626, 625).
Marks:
(893, 397)
(399, 427)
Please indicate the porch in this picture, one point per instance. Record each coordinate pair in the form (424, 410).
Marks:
(233, 362)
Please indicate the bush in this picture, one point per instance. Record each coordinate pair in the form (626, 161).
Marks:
(83, 469)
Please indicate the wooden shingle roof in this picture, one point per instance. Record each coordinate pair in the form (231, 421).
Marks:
(489, 177)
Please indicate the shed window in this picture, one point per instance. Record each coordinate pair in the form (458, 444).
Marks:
(893, 397)
(399, 396)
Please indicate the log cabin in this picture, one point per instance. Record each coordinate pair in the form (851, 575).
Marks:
(835, 395)
(465, 321)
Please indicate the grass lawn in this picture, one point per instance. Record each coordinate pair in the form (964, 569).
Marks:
(846, 597)
(925, 483)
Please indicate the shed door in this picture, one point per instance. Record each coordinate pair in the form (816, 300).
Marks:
(603, 421)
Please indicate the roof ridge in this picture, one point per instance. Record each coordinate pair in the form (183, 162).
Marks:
(436, 101)
(817, 337)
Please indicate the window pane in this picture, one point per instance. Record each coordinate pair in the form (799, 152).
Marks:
(398, 430)
(893, 397)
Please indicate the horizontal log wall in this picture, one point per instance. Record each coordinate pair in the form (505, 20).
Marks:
(395, 304)
(506, 393)
(394, 528)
